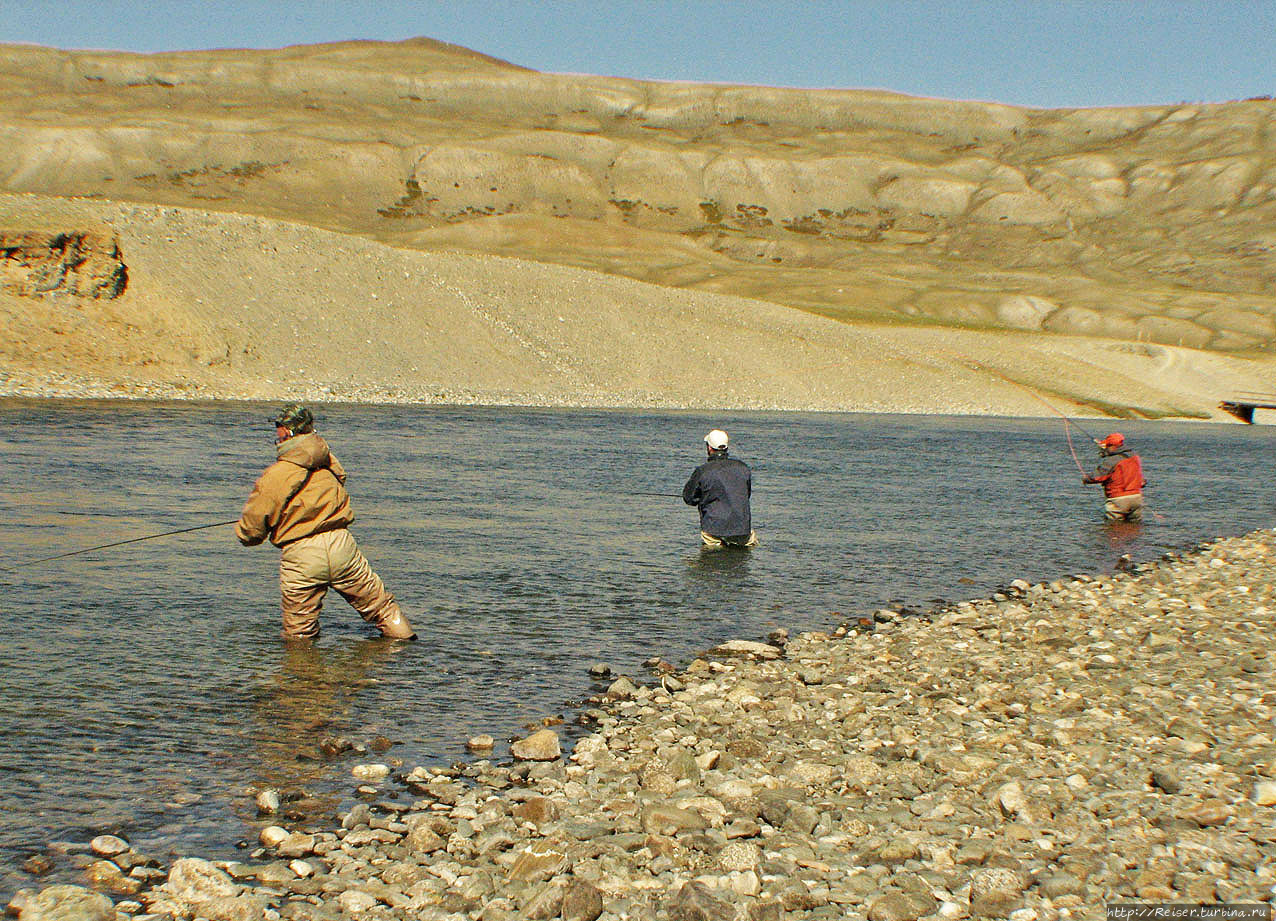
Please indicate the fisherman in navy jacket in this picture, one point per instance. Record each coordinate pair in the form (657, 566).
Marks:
(720, 488)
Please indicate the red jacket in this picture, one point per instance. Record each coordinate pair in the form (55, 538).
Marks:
(1121, 475)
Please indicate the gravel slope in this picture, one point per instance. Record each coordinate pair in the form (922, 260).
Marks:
(226, 306)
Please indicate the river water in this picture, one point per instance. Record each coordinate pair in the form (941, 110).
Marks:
(146, 692)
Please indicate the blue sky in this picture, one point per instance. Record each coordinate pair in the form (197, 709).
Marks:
(1027, 52)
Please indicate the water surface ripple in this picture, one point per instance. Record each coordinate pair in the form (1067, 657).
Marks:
(146, 691)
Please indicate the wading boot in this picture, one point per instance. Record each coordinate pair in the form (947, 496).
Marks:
(396, 627)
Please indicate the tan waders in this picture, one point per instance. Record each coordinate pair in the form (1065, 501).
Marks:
(308, 567)
(1124, 508)
(717, 543)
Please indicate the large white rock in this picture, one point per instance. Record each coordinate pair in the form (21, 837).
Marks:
(1265, 793)
(370, 773)
(539, 746)
(1011, 799)
(193, 880)
(747, 648)
(108, 846)
(268, 802)
(67, 903)
(354, 902)
(272, 836)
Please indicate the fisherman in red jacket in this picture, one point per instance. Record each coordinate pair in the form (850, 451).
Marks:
(1121, 474)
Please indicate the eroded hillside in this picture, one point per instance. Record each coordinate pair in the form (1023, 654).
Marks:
(905, 219)
(1154, 224)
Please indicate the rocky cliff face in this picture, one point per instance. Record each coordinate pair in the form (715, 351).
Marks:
(81, 264)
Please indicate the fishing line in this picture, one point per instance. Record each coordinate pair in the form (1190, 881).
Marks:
(1068, 421)
(1036, 396)
(133, 540)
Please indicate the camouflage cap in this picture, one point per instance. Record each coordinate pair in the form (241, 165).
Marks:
(296, 419)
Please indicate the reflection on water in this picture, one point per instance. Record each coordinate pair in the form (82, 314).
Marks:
(1122, 533)
(309, 703)
(146, 690)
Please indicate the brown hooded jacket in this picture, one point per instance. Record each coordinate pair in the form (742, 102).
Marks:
(300, 494)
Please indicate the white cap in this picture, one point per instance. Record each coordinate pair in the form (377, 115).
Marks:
(717, 439)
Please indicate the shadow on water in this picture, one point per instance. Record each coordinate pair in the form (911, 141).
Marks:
(715, 564)
(146, 691)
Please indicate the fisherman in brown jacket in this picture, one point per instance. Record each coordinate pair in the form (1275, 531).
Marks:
(300, 503)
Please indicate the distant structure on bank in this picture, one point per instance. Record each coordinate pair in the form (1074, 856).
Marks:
(1244, 405)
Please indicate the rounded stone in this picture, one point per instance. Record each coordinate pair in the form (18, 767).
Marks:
(739, 856)
(813, 773)
(64, 903)
(104, 875)
(539, 746)
(354, 902)
(301, 868)
(621, 689)
(37, 865)
(995, 891)
(370, 773)
(108, 845)
(582, 901)
(272, 836)
(900, 906)
(192, 879)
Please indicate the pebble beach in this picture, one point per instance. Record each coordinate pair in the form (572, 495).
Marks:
(1034, 755)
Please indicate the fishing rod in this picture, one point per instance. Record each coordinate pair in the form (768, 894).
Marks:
(661, 495)
(1068, 422)
(134, 540)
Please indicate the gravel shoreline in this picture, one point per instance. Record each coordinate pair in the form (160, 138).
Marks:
(60, 386)
(55, 386)
(1033, 756)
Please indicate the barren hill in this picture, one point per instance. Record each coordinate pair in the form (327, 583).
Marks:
(331, 220)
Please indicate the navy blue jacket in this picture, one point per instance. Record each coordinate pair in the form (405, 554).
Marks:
(721, 488)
